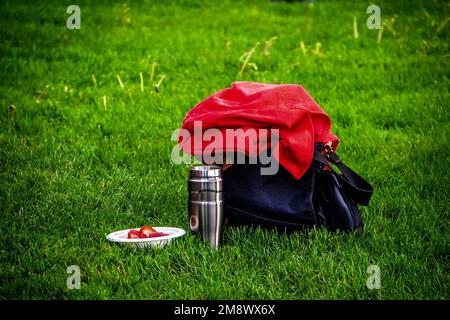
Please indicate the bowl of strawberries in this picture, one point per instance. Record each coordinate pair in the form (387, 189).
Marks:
(146, 236)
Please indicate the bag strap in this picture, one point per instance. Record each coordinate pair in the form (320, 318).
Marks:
(360, 190)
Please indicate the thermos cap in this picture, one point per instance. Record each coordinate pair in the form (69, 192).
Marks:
(206, 171)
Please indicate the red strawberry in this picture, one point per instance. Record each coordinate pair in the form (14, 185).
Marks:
(157, 234)
(133, 234)
(146, 231)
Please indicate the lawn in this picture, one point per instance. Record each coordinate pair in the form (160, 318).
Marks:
(83, 153)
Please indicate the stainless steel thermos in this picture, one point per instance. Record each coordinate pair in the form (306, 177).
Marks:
(205, 187)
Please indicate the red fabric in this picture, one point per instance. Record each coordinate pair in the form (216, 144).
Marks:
(289, 108)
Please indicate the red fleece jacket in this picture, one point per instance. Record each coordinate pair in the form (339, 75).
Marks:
(287, 107)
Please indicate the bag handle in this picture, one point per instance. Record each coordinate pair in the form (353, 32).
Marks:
(360, 190)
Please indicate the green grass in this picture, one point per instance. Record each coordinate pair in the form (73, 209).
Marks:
(73, 170)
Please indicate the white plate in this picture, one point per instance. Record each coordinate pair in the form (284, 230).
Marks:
(121, 237)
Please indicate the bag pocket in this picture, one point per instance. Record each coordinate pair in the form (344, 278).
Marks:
(340, 211)
(239, 217)
(278, 197)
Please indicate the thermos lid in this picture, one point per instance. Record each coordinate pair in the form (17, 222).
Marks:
(206, 171)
